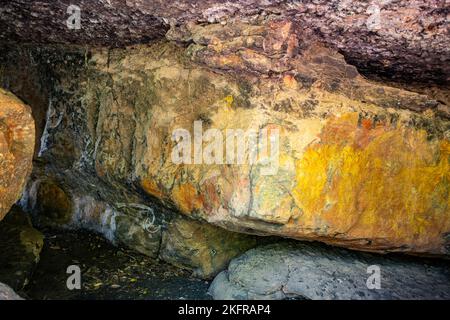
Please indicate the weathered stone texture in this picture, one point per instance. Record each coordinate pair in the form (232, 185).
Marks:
(313, 271)
(201, 247)
(399, 39)
(361, 164)
(16, 149)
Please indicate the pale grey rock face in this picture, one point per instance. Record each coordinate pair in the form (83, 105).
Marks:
(6, 293)
(311, 271)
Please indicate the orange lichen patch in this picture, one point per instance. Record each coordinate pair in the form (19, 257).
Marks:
(345, 131)
(394, 188)
(152, 188)
(186, 198)
(340, 130)
(366, 123)
(290, 82)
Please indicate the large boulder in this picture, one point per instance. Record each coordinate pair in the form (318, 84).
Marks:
(312, 271)
(358, 164)
(186, 243)
(16, 149)
(353, 168)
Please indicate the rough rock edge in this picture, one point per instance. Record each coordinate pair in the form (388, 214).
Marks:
(409, 275)
(401, 39)
(6, 293)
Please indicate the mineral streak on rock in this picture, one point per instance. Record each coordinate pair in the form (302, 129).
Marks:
(16, 148)
(399, 39)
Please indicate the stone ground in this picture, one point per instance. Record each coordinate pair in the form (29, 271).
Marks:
(108, 272)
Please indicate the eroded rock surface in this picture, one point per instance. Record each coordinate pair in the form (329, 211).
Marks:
(401, 39)
(201, 247)
(68, 203)
(79, 201)
(352, 96)
(312, 271)
(16, 149)
(360, 164)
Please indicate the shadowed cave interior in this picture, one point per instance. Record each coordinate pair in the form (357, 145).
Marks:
(283, 150)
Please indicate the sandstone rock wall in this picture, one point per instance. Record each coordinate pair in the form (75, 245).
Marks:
(360, 164)
(75, 200)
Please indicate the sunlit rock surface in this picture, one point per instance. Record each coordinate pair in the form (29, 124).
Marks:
(361, 164)
(16, 148)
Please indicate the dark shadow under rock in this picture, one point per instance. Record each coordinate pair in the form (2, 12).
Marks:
(107, 272)
(20, 246)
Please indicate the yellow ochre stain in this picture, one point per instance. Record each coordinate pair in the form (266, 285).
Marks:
(152, 188)
(394, 186)
(186, 198)
(229, 101)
